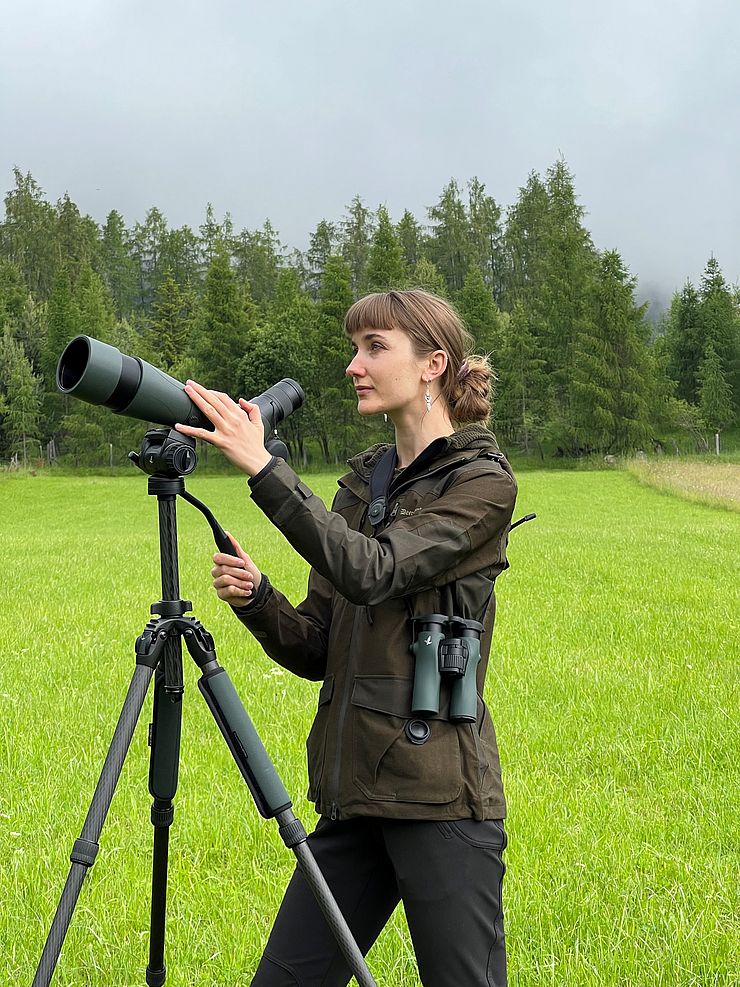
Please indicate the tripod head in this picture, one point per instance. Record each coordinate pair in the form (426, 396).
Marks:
(168, 456)
(166, 453)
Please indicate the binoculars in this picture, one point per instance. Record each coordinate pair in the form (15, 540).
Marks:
(446, 647)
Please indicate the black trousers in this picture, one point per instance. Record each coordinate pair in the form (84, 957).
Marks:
(448, 876)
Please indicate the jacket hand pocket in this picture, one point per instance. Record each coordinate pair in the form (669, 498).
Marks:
(387, 764)
(316, 741)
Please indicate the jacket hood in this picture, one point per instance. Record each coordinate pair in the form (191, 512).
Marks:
(472, 437)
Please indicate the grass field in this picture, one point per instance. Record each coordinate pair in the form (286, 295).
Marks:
(613, 687)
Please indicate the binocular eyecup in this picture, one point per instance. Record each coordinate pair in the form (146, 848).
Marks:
(446, 648)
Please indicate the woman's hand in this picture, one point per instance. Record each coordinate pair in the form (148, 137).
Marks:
(238, 429)
(235, 579)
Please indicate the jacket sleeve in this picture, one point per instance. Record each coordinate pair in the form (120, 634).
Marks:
(294, 637)
(414, 553)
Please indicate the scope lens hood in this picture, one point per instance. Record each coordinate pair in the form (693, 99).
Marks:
(93, 371)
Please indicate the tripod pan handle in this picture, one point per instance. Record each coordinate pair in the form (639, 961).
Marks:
(244, 743)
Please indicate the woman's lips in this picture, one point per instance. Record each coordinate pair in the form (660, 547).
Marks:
(362, 390)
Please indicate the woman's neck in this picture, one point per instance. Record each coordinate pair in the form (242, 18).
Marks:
(412, 437)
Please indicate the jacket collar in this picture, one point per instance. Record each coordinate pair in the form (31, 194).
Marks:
(472, 437)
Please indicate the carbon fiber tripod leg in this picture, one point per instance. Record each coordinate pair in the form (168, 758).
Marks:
(163, 771)
(294, 837)
(86, 847)
(272, 799)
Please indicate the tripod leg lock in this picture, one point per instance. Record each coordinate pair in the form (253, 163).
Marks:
(292, 833)
(84, 852)
(162, 818)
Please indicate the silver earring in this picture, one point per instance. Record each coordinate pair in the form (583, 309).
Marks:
(428, 398)
(385, 418)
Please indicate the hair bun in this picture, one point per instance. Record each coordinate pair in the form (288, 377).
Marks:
(464, 370)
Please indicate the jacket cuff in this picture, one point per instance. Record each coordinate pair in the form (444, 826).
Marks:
(255, 605)
(263, 472)
(280, 492)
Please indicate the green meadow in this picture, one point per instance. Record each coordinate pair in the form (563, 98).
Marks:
(613, 685)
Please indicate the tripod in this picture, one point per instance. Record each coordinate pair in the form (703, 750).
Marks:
(159, 654)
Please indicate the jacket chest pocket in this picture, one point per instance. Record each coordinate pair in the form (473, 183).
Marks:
(387, 764)
(316, 741)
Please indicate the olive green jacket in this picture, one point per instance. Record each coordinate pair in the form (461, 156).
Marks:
(439, 551)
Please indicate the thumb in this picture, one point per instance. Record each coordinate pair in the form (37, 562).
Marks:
(240, 553)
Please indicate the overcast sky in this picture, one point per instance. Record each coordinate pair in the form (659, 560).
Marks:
(286, 109)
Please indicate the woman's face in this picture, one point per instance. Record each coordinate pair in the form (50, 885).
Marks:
(386, 374)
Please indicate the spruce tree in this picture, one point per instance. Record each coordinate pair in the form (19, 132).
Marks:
(224, 324)
(147, 246)
(385, 267)
(715, 394)
(720, 327)
(61, 324)
(92, 306)
(525, 245)
(478, 310)
(118, 266)
(30, 330)
(562, 299)
(259, 257)
(77, 238)
(13, 292)
(283, 345)
(449, 245)
(410, 237)
(210, 236)
(522, 405)
(685, 343)
(335, 422)
(181, 257)
(21, 400)
(427, 277)
(611, 380)
(321, 246)
(172, 322)
(484, 216)
(356, 230)
(28, 232)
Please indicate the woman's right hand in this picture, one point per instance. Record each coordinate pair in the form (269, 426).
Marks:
(235, 579)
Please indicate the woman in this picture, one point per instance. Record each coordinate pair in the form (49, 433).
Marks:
(411, 806)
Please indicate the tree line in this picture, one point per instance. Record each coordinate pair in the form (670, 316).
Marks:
(580, 368)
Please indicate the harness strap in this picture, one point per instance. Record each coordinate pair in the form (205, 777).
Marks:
(380, 481)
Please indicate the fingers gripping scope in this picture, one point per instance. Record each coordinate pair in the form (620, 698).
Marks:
(98, 373)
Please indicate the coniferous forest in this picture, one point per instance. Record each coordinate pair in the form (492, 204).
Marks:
(581, 370)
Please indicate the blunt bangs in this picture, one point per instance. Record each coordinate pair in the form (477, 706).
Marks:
(377, 311)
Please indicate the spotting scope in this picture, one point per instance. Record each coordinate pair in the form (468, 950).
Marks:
(99, 373)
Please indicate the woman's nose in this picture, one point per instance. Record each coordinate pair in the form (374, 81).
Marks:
(354, 368)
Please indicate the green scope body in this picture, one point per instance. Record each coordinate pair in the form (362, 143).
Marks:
(100, 374)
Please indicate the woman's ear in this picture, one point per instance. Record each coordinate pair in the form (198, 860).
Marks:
(437, 363)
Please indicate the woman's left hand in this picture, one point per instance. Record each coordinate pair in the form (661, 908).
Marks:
(238, 429)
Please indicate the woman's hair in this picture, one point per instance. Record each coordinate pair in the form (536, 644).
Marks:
(432, 324)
